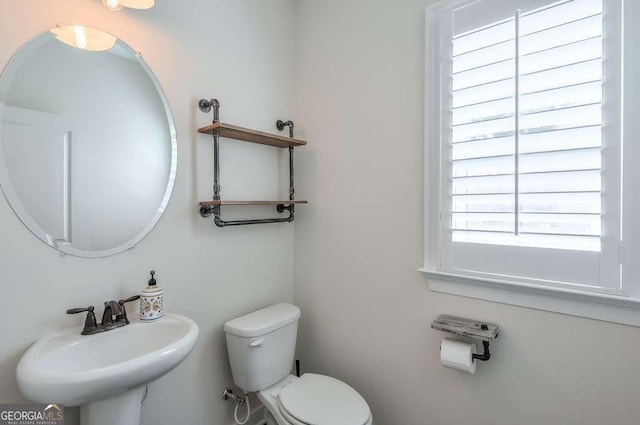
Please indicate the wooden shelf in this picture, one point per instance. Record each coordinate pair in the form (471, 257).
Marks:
(253, 136)
(225, 202)
(466, 327)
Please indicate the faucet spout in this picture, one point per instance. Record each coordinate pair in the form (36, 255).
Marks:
(111, 308)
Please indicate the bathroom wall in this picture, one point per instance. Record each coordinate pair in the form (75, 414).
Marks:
(241, 52)
(366, 310)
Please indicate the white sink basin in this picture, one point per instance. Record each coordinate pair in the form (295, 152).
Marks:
(111, 367)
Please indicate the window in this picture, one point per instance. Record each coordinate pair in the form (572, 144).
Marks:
(525, 152)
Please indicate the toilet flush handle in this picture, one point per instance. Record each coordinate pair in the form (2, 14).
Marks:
(256, 343)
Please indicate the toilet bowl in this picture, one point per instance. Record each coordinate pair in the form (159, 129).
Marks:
(261, 348)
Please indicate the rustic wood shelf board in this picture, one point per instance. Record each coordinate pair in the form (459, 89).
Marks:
(253, 136)
(225, 202)
(466, 327)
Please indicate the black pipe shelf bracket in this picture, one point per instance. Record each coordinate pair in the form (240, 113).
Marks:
(218, 129)
(481, 331)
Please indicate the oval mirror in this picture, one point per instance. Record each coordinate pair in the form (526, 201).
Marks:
(87, 142)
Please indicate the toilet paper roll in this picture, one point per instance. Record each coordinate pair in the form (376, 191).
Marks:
(458, 355)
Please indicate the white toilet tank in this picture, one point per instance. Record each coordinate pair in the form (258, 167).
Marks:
(261, 346)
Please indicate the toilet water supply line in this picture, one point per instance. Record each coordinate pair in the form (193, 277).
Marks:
(229, 395)
(235, 412)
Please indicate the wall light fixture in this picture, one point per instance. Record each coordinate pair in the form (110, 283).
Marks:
(131, 4)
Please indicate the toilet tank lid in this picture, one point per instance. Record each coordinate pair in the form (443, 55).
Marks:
(263, 321)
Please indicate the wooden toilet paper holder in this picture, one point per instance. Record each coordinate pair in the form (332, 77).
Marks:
(482, 331)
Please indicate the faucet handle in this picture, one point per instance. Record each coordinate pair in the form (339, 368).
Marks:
(128, 300)
(90, 323)
(80, 310)
(123, 316)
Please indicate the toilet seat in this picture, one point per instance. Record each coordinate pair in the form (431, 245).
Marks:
(321, 400)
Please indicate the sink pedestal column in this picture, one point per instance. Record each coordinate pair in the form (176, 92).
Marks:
(123, 409)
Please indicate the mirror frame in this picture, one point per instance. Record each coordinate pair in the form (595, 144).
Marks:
(36, 229)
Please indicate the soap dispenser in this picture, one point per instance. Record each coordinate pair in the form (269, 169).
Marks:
(151, 300)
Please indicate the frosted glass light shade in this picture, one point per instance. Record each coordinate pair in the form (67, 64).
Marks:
(85, 38)
(113, 5)
(138, 4)
(131, 4)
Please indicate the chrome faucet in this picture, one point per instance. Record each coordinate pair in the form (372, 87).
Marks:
(114, 316)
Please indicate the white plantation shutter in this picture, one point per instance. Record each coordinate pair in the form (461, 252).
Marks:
(551, 114)
(530, 174)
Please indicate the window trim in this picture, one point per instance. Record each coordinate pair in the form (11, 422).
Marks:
(618, 308)
(610, 308)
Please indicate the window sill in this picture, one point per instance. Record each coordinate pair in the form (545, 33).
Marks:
(610, 308)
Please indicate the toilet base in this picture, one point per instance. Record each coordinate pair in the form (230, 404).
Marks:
(269, 397)
(268, 418)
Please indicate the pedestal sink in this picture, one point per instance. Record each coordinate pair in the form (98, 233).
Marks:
(105, 374)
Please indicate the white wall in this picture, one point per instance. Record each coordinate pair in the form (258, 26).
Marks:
(239, 51)
(366, 310)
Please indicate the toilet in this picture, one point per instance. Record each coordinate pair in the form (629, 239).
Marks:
(261, 347)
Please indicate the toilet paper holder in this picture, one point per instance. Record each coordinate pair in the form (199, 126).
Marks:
(482, 331)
